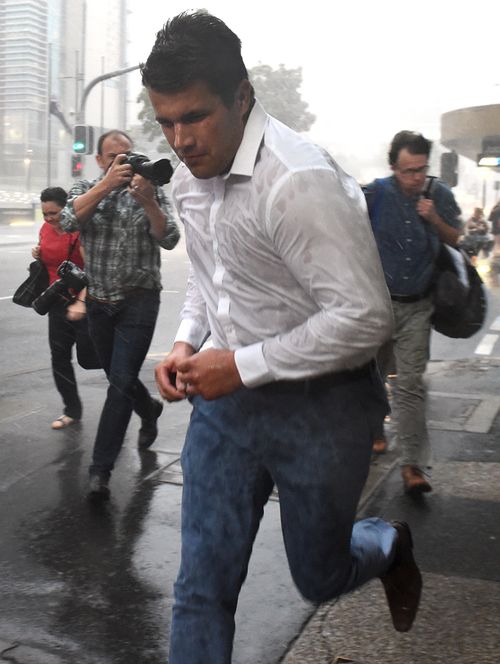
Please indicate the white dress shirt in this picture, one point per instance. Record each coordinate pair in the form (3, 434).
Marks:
(284, 266)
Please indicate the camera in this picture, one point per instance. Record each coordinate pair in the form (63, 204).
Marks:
(71, 276)
(158, 172)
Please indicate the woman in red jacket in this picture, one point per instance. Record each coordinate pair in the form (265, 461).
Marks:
(55, 246)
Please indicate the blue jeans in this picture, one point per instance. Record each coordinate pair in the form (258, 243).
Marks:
(312, 440)
(122, 334)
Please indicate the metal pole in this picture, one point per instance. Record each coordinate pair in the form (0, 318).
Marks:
(49, 118)
(94, 82)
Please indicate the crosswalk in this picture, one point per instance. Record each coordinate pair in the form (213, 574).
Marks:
(488, 341)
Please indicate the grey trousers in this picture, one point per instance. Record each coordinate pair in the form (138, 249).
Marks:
(410, 353)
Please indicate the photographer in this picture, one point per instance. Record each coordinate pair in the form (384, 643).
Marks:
(55, 246)
(124, 219)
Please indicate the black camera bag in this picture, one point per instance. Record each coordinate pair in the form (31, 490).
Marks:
(33, 286)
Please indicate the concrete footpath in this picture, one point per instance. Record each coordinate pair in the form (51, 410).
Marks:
(456, 532)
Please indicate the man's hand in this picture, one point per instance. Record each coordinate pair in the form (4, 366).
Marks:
(426, 209)
(211, 373)
(169, 384)
(118, 173)
(448, 234)
(141, 190)
(35, 252)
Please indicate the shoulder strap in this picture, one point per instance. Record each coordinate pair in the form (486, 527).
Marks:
(380, 187)
(71, 247)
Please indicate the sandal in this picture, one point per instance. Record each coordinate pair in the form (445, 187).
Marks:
(63, 422)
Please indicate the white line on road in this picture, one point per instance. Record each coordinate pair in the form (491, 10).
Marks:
(495, 326)
(486, 344)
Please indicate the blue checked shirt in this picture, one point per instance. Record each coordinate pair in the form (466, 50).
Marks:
(121, 253)
(408, 245)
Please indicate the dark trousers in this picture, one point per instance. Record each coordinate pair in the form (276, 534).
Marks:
(62, 337)
(122, 334)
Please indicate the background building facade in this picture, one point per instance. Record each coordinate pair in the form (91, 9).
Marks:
(50, 50)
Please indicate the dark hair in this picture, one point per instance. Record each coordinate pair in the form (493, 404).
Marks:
(55, 195)
(408, 140)
(111, 132)
(192, 47)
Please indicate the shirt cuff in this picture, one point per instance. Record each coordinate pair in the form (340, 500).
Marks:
(191, 332)
(252, 366)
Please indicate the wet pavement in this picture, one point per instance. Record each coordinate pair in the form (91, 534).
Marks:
(82, 583)
(89, 584)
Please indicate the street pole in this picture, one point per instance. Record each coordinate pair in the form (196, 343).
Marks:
(49, 118)
(93, 83)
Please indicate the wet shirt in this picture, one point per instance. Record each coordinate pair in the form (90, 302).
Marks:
(285, 270)
(56, 247)
(408, 244)
(121, 253)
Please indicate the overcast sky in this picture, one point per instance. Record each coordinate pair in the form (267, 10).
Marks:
(369, 68)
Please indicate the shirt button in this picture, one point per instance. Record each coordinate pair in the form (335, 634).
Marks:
(405, 277)
(408, 258)
(407, 221)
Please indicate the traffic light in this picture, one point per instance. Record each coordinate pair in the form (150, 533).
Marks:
(449, 168)
(76, 165)
(83, 139)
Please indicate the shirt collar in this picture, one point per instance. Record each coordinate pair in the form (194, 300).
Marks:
(246, 156)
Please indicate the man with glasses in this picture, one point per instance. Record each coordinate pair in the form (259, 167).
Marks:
(410, 214)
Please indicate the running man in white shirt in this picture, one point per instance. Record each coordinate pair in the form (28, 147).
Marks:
(287, 281)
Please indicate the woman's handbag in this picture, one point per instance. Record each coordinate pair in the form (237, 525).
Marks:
(33, 286)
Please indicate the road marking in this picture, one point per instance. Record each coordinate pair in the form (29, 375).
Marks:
(495, 326)
(486, 344)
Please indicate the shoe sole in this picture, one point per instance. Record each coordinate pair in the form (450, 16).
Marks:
(402, 622)
(418, 489)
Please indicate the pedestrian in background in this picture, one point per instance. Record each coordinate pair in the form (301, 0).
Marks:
(124, 220)
(54, 247)
(286, 278)
(409, 222)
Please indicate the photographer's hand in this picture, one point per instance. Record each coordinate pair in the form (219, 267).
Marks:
(144, 193)
(117, 175)
(141, 190)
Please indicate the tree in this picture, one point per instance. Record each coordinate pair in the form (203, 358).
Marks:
(277, 89)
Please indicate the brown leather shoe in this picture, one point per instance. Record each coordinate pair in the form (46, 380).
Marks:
(379, 446)
(414, 481)
(403, 582)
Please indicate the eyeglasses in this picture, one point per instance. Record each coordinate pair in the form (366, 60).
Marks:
(413, 171)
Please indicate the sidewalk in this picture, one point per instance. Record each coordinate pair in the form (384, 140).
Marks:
(456, 531)
(85, 587)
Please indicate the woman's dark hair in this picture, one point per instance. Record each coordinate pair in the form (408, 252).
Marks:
(408, 140)
(54, 194)
(192, 47)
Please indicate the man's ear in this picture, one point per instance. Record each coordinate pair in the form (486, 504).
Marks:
(244, 96)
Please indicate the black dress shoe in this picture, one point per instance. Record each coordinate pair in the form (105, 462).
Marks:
(98, 487)
(149, 429)
(403, 581)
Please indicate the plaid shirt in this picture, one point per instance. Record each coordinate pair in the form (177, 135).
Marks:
(121, 253)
